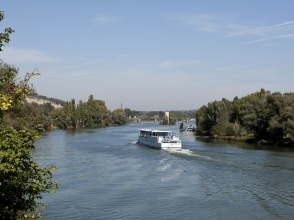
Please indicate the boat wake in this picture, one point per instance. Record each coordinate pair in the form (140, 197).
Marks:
(185, 152)
(181, 151)
(188, 152)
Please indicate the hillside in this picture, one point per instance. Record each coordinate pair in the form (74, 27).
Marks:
(41, 101)
(45, 98)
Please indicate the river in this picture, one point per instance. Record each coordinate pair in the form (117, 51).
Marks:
(104, 174)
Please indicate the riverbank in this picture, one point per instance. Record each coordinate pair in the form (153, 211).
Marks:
(230, 138)
(286, 142)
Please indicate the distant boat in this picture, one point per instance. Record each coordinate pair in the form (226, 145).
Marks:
(159, 139)
(191, 128)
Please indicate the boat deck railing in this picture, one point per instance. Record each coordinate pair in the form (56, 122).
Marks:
(161, 138)
(168, 139)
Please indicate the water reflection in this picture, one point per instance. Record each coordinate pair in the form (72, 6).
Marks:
(244, 145)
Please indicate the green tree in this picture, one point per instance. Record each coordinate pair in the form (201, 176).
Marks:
(4, 37)
(64, 121)
(221, 118)
(222, 113)
(161, 114)
(27, 116)
(206, 118)
(289, 129)
(266, 115)
(22, 181)
(118, 117)
(172, 119)
(127, 112)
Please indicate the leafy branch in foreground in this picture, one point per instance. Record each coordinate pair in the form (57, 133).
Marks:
(4, 37)
(11, 94)
(22, 181)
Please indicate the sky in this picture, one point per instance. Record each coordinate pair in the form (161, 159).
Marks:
(152, 54)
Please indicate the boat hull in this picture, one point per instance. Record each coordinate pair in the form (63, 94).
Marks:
(162, 146)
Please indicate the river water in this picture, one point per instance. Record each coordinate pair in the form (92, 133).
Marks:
(104, 174)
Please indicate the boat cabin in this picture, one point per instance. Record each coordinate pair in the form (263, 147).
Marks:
(159, 139)
(154, 133)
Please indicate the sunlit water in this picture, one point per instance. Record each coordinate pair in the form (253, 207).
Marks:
(104, 174)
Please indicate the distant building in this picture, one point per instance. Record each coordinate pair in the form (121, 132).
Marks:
(166, 113)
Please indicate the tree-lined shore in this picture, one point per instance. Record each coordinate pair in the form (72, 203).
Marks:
(24, 115)
(92, 113)
(261, 117)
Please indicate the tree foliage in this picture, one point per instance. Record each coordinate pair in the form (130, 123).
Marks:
(11, 93)
(18, 113)
(4, 37)
(22, 181)
(118, 117)
(263, 114)
(92, 113)
(28, 116)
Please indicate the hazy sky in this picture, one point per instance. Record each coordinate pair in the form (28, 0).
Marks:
(152, 54)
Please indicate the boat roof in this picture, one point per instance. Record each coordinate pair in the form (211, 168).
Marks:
(153, 130)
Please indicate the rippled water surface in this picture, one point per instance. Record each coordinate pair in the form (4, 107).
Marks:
(104, 174)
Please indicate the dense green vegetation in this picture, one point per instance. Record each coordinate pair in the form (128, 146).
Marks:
(27, 116)
(264, 116)
(92, 113)
(22, 181)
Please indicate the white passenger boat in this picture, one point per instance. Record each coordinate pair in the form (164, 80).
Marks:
(159, 139)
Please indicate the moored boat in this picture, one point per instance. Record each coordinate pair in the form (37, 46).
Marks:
(191, 128)
(159, 139)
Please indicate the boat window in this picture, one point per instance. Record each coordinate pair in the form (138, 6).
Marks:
(162, 133)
